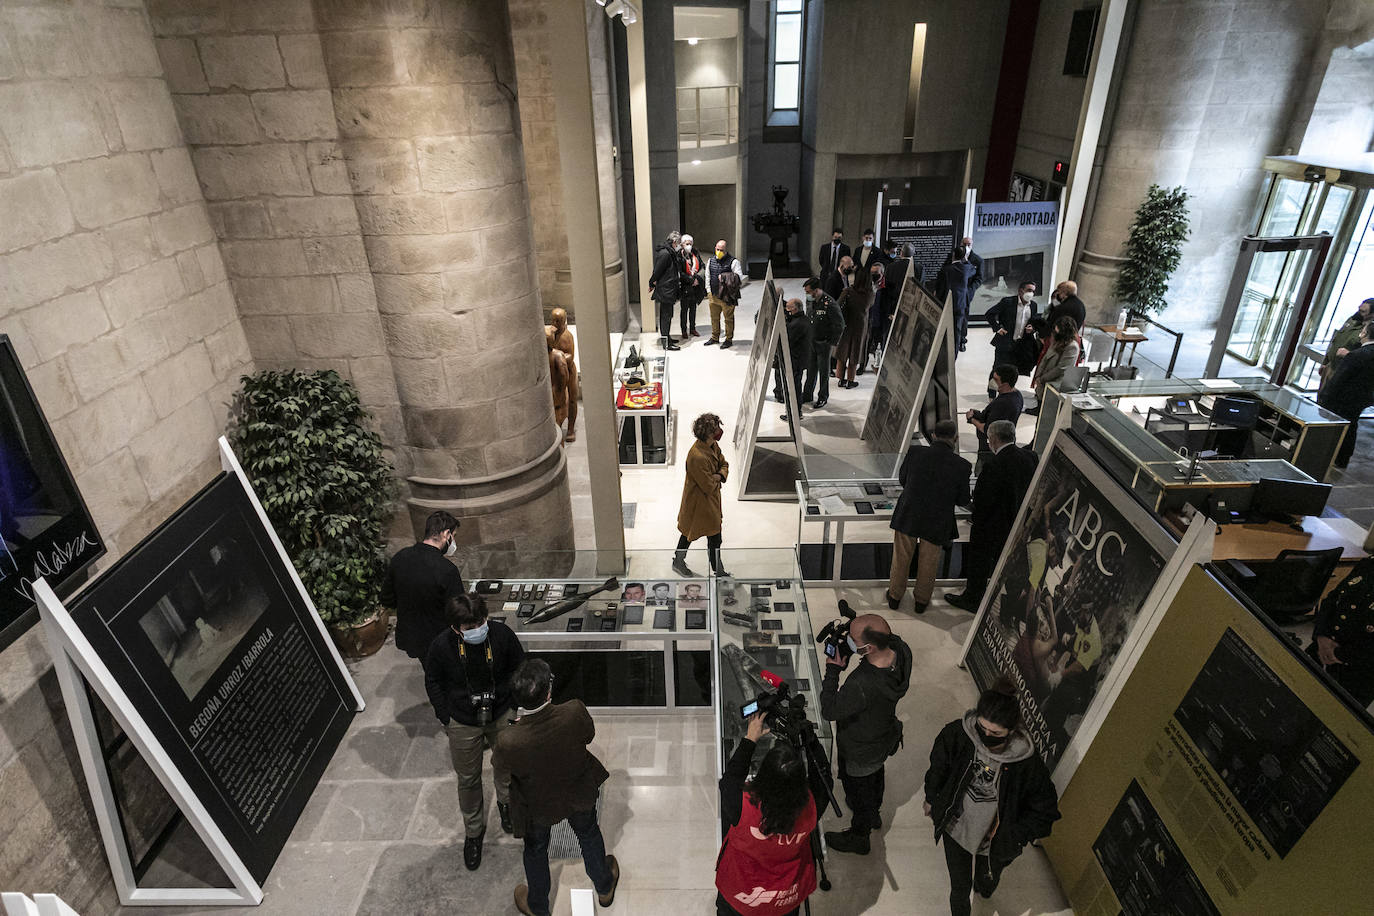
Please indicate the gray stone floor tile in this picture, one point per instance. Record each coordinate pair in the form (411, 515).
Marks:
(369, 810)
(429, 880)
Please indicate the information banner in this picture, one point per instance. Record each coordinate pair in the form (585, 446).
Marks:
(931, 229)
(760, 363)
(918, 345)
(1016, 243)
(204, 630)
(1227, 778)
(45, 530)
(1073, 577)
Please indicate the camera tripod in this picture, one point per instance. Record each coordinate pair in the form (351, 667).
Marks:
(798, 731)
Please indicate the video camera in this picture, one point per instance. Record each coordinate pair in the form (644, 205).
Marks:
(784, 712)
(833, 635)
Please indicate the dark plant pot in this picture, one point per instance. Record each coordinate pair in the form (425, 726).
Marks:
(362, 639)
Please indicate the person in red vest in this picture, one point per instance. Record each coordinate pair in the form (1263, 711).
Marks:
(765, 865)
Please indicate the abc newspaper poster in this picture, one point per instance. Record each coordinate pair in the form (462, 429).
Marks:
(1079, 567)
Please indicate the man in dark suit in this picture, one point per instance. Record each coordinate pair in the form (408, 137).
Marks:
(553, 777)
(1064, 301)
(1350, 389)
(665, 285)
(997, 496)
(868, 253)
(799, 343)
(419, 581)
(831, 252)
(1007, 404)
(934, 480)
(1010, 321)
(840, 278)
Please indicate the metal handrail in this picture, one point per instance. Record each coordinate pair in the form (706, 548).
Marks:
(1133, 315)
(696, 123)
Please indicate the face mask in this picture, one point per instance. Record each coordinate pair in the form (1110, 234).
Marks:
(876, 277)
(868, 243)
(991, 742)
(853, 646)
(1027, 297)
(834, 241)
(451, 549)
(686, 246)
(720, 434)
(720, 253)
(476, 635)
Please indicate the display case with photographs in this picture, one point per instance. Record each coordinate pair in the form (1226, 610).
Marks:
(642, 406)
(765, 642)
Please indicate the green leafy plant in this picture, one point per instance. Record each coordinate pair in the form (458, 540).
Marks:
(304, 441)
(1154, 245)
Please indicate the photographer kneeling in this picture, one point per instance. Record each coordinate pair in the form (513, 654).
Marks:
(867, 730)
(765, 864)
(988, 792)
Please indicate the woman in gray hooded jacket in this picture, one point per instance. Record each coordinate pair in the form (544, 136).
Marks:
(989, 794)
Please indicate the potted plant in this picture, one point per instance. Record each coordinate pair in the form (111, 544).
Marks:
(1154, 245)
(304, 441)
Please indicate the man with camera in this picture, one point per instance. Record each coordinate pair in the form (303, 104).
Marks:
(864, 711)
(468, 678)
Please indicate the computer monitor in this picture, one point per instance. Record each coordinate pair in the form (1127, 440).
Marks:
(1075, 379)
(1277, 498)
(1241, 413)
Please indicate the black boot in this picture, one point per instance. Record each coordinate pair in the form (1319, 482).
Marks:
(680, 565)
(472, 851)
(850, 840)
(504, 811)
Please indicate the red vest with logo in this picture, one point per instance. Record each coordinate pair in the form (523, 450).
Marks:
(767, 875)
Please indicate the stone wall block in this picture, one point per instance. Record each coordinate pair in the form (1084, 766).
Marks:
(286, 295)
(192, 274)
(226, 118)
(372, 14)
(441, 56)
(374, 379)
(145, 114)
(74, 319)
(426, 336)
(54, 388)
(522, 448)
(106, 423)
(242, 62)
(362, 58)
(269, 337)
(181, 65)
(35, 210)
(336, 254)
(421, 383)
(233, 172)
(141, 292)
(45, 271)
(304, 61)
(524, 410)
(412, 254)
(241, 219)
(110, 189)
(486, 207)
(200, 315)
(337, 336)
(401, 111)
(492, 108)
(132, 242)
(118, 42)
(211, 264)
(328, 170)
(468, 163)
(176, 175)
(380, 167)
(306, 114)
(440, 427)
(308, 216)
(113, 490)
(198, 17)
(178, 380)
(175, 446)
(264, 258)
(182, 228)
(47, 123)
(44, 39)
(357, 292)
(401, 294)
(402, 215)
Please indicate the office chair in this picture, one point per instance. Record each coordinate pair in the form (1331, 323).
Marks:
(1290, 585)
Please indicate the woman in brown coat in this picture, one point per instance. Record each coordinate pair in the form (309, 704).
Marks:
(700, 514)
(854, 303)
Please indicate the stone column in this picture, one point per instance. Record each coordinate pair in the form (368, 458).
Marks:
(429, 131)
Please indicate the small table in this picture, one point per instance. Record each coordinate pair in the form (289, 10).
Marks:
(1121, 337)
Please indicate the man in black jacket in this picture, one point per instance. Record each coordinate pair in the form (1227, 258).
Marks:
(1064, 301)
(827, 324)
(798, 348)
(468, 679)
(1007, 404)
(1350, 389)
(934, 480)
(665, 285)
(831, 252)
(997, 496)
(419, 581)
(867, 730)
(1010, 319)
(988, 793)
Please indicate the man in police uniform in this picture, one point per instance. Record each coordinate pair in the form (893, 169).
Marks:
(827, 324)
(1343, 637)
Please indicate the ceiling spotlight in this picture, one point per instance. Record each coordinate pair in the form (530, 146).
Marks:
(600, 2)
(626, 10)
(691, 41)
(696, 162)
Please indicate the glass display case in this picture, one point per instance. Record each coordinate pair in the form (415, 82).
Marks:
(642, 404)
(763, 628)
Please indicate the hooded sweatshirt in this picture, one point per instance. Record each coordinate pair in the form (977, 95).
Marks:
(864, 710)
(979, 804)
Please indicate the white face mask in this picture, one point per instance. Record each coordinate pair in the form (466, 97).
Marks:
(686, 246)
(451, 549)
(1027, 296)
(868, 243)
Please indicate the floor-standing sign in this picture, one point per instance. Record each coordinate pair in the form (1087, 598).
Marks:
(1084, 566)
(204, 646)
(919, 345)
(1016, 242)
(932, 231)
(764, 470)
